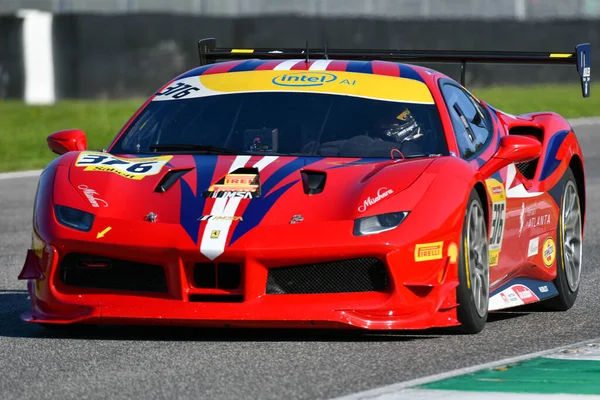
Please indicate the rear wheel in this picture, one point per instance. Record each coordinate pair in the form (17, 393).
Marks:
(569, 248)
(473, 292)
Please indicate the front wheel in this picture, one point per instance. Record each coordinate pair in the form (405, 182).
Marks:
(569, 254)
(473, 292)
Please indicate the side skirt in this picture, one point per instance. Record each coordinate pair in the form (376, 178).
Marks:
(520, 291)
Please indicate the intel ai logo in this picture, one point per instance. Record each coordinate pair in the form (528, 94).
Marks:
(304, 79)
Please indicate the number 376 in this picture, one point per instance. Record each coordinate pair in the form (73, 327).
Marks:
(178, 91)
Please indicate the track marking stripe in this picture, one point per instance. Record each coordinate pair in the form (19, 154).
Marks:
(395, 389)
(20, 174)
(432, 394)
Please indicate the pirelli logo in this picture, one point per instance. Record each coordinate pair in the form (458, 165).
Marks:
(429, 251)
(235, 186)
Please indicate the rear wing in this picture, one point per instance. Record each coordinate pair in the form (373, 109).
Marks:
(209, 53)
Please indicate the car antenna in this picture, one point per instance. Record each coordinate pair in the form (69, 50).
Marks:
(325, 51)
(307, 56)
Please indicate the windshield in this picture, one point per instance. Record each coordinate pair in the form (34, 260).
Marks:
(286, 123)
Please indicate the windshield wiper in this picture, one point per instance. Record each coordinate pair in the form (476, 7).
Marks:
(194, 148)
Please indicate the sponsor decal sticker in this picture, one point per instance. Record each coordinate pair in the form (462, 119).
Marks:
(216, 231)
(382, 193)
(498, 197)
(549, 252)
(497, 190)
(521, 219)
(516, 295)
(308, 79)
(375, 86)
(494, 255)
(243, 186)
(533, 247)
(131, 168)
(453, 252)
(220, 218)
(91, 195)
(429, 251)
(540, 220)
(230, 195)
(525, 294)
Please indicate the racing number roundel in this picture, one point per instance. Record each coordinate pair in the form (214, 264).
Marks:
(498, 196)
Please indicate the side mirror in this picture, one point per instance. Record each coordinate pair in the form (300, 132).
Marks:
(65, 141)
(513, 149)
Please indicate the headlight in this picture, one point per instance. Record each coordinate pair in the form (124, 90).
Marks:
(378, 223)
(73, 218)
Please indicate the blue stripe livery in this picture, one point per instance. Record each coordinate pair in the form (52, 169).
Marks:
(193, 205)
(258, 208)
(550, 161)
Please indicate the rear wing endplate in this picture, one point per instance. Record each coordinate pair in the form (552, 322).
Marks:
(209, 53)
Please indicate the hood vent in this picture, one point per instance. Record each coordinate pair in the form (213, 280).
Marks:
(169, 179)
(313, 181)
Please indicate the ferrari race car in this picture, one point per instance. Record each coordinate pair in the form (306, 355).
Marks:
(313, 188)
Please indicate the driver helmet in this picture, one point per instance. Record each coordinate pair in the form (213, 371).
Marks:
(402, 128)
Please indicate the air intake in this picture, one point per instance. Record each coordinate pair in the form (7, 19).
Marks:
(313, 181)
(343, 276)
(169, 179)
(87, 271)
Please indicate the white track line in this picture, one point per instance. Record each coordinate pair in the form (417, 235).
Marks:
(434, 394)
(20, 174)
(585, 121)
(395, 389)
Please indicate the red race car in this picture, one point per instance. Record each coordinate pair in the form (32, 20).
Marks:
(313, 188)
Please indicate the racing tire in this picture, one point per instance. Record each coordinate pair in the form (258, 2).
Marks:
(473, 292)
(569, 249)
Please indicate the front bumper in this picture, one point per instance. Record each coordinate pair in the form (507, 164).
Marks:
(419, 295)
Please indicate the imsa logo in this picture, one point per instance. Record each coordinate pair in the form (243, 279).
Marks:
(230, 195)
(220, 218)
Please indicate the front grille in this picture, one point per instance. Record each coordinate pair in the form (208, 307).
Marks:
(355, 275)
(216, 298)
(528, 168)
(217, 276)
(83, 270)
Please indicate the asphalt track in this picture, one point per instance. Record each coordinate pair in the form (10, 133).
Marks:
(177, 363)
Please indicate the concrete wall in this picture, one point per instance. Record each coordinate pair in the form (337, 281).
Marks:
(132, 55)
(12, 79)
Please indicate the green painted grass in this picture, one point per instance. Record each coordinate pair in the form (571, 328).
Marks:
(538, 375)
(23, 129)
